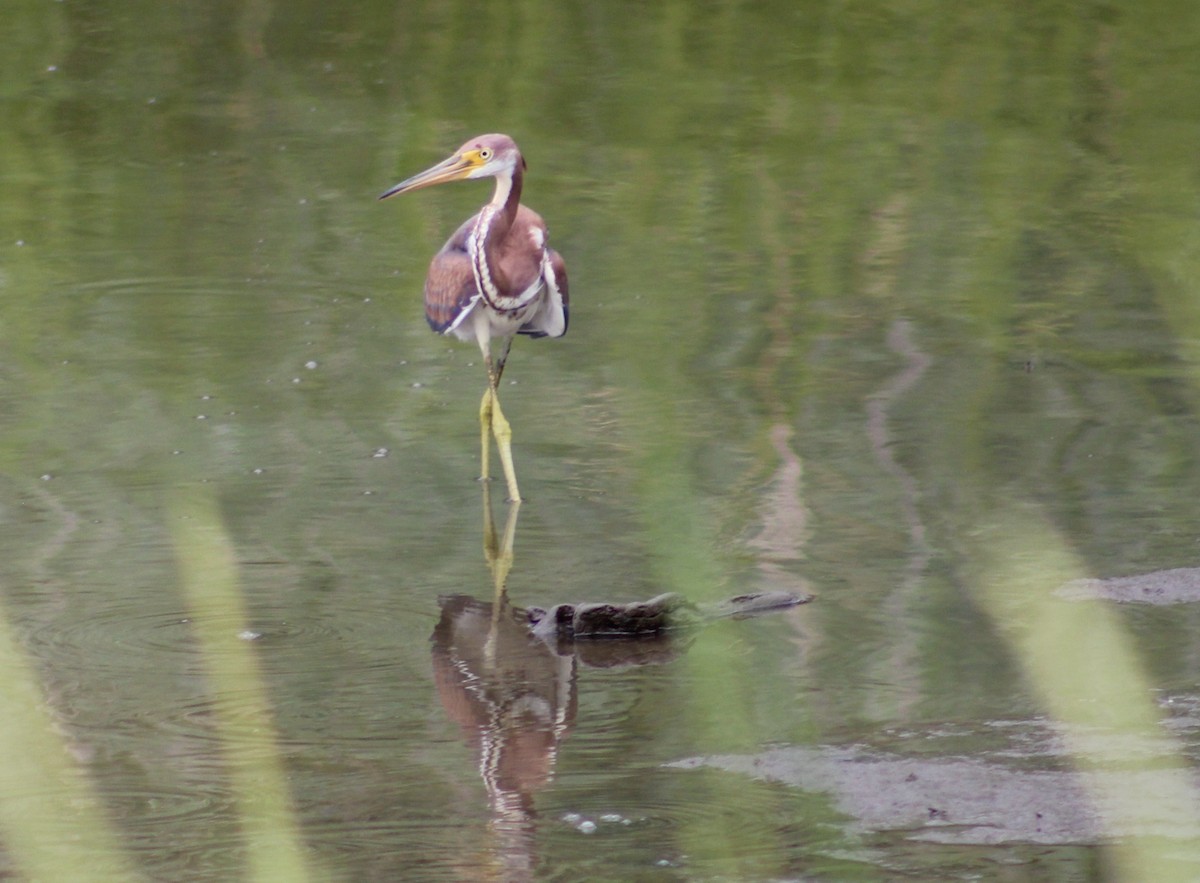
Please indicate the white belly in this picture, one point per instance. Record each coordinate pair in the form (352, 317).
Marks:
(479, 322)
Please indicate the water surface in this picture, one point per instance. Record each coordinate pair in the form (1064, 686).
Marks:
(887, 304)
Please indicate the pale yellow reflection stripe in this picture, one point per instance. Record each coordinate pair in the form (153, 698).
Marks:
(208, 576)
(51, 823)
(1079, 659)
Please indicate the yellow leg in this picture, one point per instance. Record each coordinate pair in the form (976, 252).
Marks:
(503, 433)
(485, 431)
(499, 555)
(490, 415)
(497, 549)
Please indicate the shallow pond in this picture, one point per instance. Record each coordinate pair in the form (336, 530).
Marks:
(891, 307)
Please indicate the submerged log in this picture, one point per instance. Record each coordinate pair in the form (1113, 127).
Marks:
(663, 613)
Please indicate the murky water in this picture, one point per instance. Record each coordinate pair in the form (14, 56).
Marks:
(890, 308)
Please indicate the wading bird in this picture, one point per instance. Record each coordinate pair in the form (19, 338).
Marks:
(495, 277)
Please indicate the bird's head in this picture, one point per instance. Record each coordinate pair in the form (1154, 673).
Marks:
(486, 156)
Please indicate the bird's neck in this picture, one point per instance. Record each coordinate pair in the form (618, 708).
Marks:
(508, 195)
(486, 243)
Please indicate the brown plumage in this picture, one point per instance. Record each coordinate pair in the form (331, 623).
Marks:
(451, 291)
(496, 276)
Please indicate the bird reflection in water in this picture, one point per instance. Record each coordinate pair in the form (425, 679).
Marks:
(507, 676)
(513, 694)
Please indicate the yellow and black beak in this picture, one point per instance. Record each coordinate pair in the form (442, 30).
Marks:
(455, 168)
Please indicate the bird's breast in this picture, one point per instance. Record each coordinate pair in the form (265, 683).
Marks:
(509, 275)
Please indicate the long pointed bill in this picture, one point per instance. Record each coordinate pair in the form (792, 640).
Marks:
(455, 168)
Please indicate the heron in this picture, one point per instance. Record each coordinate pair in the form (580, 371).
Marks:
(495, 277)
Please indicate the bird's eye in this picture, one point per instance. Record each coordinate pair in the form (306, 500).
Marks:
(485, 153)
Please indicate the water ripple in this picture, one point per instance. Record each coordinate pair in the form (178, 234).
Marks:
(123, 636)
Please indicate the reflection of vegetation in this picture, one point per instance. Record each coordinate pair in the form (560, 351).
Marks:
(750, 195)
(54, 827)
(1079, 660)
(52, 824)
(208, 576)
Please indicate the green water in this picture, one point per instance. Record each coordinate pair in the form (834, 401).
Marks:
(894, 303)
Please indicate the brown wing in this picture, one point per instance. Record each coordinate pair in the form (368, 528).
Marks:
(450, 286)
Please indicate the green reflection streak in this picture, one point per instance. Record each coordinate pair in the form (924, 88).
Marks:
(208, 573)
(53, 826)
(718, 714)
(675, 402)
(1081, 662)
(680, 530)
